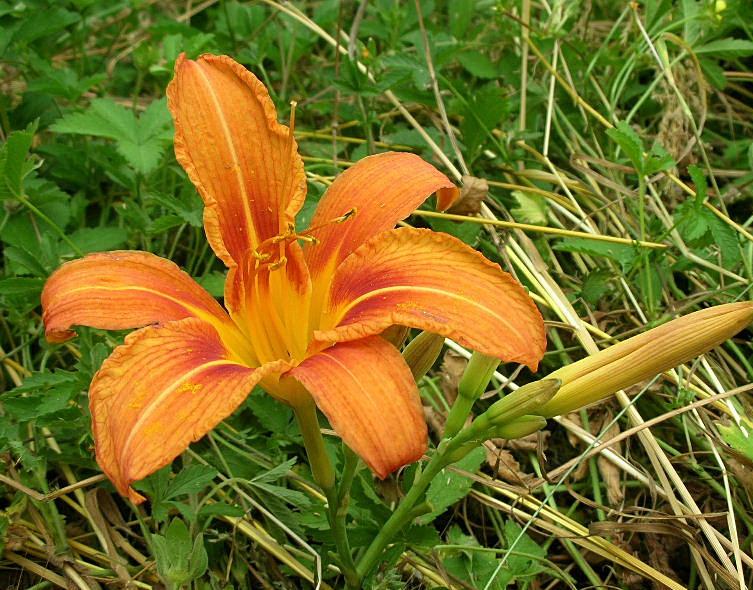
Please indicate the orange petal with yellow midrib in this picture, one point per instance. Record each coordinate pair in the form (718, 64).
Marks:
(433, 282)
(120, 290)
(165, 387)
(244, 164)
(370, 398)
(382, 189)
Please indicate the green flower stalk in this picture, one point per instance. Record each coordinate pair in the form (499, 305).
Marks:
(476, 377)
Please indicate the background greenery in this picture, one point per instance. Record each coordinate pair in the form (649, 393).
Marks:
(598, 122)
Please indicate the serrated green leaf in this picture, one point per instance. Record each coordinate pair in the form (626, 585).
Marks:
(621, 253)
(526, 557)
(34, 406)
(41, 23)
(726, 238)
(468, 232)
(471, 563)
(692, 222)
(190, 480)
(14, 163)
(214, 282)
(460, 13)
(595, 286)
(699, 180)
(41, 394)
(292, 497)
(714, 73)
(449, 487)
(21, 286)
(276, 472)
(271, 413)
(99, 239)
(478, 64)
(624, 136)
(531, 208)
(141, 141)
(483, 113)
(658, 160)
(44, 380)
(220, 509)
(737, 439)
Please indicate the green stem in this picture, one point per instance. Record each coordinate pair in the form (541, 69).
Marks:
(476, 377)
(401, 517)
(55, 227)
(503, 413)
(324, 475)
(352, 462)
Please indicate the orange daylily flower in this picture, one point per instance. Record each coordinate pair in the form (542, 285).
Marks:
(303, 321)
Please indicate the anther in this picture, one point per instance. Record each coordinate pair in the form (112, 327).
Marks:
(279, 264)
(347, 215)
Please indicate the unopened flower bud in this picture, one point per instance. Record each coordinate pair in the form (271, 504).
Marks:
(422, 352)
(526, 400)
(475, 378)
(396, 335)
(593, 378)
(477, 375)
(521, 427)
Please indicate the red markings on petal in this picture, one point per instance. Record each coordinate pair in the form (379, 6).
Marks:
(382, 189)
(434, 282)
(119, 290)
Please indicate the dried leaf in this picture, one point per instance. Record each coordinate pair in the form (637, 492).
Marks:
(472, 194)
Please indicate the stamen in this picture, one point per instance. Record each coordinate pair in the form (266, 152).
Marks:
(347, 215)
(344, 217)
(279, 264)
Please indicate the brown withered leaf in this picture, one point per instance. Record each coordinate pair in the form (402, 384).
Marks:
(531, 443)
(660, 549)
(504, 464)
(743, 474)
(581, 470)
(472, 194)
(608, 470)
(435, 420)
(453, 366)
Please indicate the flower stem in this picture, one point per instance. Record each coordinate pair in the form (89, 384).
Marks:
(324, 475)
(400, 518)
(352, 463)
(476, 377)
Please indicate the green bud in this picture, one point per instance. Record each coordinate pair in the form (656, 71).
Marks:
(477, 375)
(522, 427)
(422, 352)
(526, 400)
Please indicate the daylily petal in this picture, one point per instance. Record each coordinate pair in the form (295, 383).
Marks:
(166, 387)
(123, 289)
(381, 190)
(370, 398)
(434, 282)
(244, 164)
